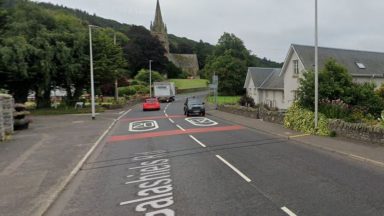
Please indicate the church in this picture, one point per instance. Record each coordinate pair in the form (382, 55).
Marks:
(188, 63)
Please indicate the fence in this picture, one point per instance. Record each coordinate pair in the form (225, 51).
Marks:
(6, 115)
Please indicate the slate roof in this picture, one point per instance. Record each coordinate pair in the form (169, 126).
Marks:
(373, 61)
(267, 78)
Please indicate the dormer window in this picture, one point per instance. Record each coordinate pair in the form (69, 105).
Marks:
(360, 65)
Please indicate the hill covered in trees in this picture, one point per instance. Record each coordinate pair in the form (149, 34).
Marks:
(44, 46)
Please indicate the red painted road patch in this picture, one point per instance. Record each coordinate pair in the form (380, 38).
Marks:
(151, 118)
(114, 139)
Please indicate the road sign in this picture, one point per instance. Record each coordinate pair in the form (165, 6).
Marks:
(213, 86)
(215, 79)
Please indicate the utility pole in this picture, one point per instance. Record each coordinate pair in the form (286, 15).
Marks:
(316, 67)
(116, 83)
(92, 78)
(150, 78)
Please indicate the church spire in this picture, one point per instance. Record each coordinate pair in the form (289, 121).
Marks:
(158, 24)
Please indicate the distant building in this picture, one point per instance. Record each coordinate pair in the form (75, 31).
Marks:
(265, 86)
(188, 63)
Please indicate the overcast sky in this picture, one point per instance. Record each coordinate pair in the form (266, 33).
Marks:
(267, 27)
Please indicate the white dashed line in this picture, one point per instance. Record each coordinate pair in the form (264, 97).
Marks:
(180, 127)
(234, 169)
(173, 122)
(196, 140)
(289, 212)
(166, 114)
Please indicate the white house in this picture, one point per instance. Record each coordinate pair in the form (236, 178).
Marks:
(364, 66)
(265, 86)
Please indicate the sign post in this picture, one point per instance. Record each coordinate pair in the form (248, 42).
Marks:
(215, 85)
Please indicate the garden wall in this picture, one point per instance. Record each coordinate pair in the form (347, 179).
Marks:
(259, 113)
(358, 131)
(6, 115)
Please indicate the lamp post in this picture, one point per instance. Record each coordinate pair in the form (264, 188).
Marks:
(91, 68)
(116, 83)
(150, 78)
(316, 68)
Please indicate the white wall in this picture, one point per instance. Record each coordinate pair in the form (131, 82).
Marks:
(251, 91)
(291, 81)
(274, 96)
(377, 80)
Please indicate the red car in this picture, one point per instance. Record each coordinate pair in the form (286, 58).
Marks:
(151, 104)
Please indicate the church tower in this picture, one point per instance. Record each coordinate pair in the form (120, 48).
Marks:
(159, 29)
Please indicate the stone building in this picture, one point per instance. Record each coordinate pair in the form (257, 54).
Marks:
(188, 63)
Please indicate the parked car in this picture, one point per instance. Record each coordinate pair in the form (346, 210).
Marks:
(194, 106)
(151, 104)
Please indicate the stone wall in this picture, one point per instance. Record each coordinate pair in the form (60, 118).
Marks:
(358, 131)
(6, 115)
(240, 110)
(259, 113)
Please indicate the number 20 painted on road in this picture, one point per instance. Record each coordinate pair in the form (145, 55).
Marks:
(143, 126)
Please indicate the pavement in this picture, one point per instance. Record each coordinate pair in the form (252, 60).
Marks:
(162, 163)
(368, 152)
(36, 162)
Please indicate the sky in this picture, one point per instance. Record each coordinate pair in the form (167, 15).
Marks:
(267, 27)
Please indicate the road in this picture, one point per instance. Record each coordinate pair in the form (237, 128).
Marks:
(160, 163)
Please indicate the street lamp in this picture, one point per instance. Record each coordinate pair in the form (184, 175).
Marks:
(150, 78)
(316, 68)
(91, 67)
(116, 83)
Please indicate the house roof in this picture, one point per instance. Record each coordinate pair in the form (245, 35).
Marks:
(358, 63)
(265, 78)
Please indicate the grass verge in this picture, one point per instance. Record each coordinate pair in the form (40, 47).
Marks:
(190, 83)
(221, 100)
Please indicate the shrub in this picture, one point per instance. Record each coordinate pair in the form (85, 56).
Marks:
(300, 119)
(334, 109)
(140, 89)
(126, 91)
(246, 100)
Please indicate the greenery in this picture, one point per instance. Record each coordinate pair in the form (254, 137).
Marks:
(227, 100)
(64, 110)
(143, 76)
(246, 100)
(230, 60)
(339, 96)
(301, 119)
(190, 83)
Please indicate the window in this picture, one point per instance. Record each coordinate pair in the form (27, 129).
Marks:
(360, 65)
(296, 66)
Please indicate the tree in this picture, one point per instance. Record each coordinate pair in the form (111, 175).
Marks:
(141, 48)
(231, 72)
(334, 83)
(143, 76)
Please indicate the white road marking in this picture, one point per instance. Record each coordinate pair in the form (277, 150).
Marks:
(145, 199)
(143, 126)
(234, 169)
(201, 121)
(53, 195)
(121, 112)
(166, 115)
(289, 212)
(173, 122)
(196, 140)
(180, 127)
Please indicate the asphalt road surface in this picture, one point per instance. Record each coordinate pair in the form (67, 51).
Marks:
(163, 163)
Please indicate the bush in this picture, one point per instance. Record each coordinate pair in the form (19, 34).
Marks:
(246, 100)
(300, 119)
(126, 91)
(140, 89)
(334, 109)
